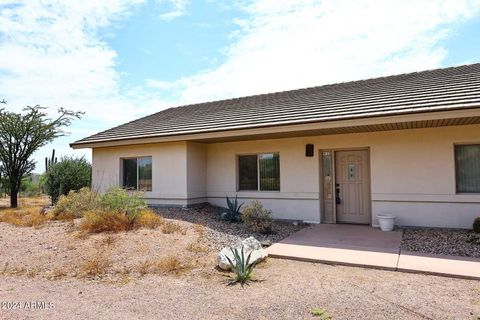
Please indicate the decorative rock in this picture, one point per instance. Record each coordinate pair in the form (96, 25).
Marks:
(250, 245)
(266, 243)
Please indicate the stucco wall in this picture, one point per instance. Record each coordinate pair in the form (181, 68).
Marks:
(196, 172)
(412, 174)
(169, 173)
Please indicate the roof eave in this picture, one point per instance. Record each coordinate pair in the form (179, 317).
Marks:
(279, 128)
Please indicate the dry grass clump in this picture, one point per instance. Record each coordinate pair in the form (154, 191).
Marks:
(109, 240)
(37, 201)
(144, 267)
(114, 221)
(197, 248)
(104, 221)
(95, 266)
(24, 217)
(170, 265)
(148, 219)
(7, 270)
(76, 203)
(164, 266)
(171, 227)
(200, 229)
(65, 216)
(58, 273)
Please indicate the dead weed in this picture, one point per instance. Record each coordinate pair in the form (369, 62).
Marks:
(96, 266)
(171, 227)
(24, 217)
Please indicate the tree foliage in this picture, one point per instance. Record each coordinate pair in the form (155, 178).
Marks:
(67, 174)
(21, 134)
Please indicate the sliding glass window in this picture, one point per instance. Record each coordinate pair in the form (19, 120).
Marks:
(467, 168)
(259, 172)
(137, 173)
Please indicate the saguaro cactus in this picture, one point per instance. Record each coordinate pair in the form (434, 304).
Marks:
(51, 161)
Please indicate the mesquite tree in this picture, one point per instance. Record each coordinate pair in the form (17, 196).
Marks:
(21, 134)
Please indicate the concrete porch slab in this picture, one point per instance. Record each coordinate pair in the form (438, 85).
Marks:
(365, 246)
(342, 244)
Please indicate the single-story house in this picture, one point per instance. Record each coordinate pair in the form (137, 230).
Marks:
(407, 145)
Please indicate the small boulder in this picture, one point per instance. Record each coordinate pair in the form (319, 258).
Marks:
(266, 243)
(249, 245)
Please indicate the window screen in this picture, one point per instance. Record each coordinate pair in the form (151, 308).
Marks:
(247, 173)
(467, 168)
(269, 172)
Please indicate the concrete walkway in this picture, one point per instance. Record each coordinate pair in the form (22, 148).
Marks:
(368, 247)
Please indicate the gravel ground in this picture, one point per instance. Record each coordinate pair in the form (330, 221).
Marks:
(220, 233)
(288, 290)
(441, 241)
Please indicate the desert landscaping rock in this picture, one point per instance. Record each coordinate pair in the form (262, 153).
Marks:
(222, 233)
(441, 241)
(250, 246)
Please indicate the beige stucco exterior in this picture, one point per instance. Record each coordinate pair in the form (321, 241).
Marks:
(169, 173)
(412, 173)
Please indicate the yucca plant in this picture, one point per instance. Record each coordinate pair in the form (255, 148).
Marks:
(242, 267)
(233, 214)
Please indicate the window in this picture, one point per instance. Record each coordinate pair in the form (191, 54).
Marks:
(327, 175)
(259, 172)
(137, 173)
(467, 168)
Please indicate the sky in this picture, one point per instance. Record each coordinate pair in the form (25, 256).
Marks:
(118, 60)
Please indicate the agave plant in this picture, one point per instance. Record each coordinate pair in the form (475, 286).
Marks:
(242, 267)
(233, 213)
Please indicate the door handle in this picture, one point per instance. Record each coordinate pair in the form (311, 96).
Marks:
(337, 194)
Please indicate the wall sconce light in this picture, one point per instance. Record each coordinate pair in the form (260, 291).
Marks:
(309, 150)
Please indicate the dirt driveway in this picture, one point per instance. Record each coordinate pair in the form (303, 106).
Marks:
(289, 290)
(45, 268)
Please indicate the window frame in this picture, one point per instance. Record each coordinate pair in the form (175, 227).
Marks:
(138, 172)
(455, 145)
(257, 154)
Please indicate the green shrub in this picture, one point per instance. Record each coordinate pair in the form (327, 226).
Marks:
(476, 225)
(116, 210)
(29, 188)
(76, 203)
(257, 218)
(129, 203)
(233, 212)
(320, 313)
(68, 174)
(242, 267)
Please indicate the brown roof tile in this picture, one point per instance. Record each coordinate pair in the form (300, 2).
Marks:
(434, 90)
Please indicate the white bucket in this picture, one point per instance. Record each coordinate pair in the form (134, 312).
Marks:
(386, 221)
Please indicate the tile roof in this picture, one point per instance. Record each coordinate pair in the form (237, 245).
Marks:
(451, 88)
